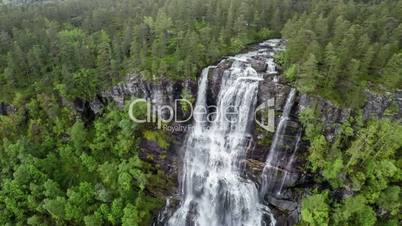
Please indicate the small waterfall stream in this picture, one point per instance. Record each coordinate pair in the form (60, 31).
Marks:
(271, 168)
(291, 160)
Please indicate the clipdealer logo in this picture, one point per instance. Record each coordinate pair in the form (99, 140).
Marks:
(163, 115)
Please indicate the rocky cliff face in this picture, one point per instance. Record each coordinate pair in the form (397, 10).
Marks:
(159, 92)
(286, 205)
(6, 109)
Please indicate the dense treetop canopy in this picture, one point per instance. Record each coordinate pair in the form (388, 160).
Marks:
(56, 169)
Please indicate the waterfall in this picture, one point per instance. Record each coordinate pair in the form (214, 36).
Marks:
(201, 103)
(271, 66)
(214, 193)
(271, 169)
(291, 160)
(165, 212)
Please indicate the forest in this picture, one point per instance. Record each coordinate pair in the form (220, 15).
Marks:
(57, 168)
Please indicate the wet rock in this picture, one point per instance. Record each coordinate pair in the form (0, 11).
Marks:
(254, 169)
(330, 115)
(284, 205)
(376, 105)
(291, 218)
(83, 108)
(259, 65)
(7, 109)
(98, 104)
(160, 93)
(170, 206)
(398, 101)
(215, 79)
(3, 109)
(158, 156)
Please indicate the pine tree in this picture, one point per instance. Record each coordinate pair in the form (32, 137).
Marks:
(135, 49)
(309, 78)
(127, 40)
(340, 29)
(393, 72)
(104, 57)
(321, 28)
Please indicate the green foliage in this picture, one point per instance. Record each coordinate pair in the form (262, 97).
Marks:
(56, 170)
(310, 120)
(318, 148)
(78, 135)
(354, 210)
(344, 47)
(387, 200)
(309, 75)
(315, 210)
(157, 136)
(83, 47)
(393, 71)
(84, 84)
(361, 161)
(291, 73)
(187, 100)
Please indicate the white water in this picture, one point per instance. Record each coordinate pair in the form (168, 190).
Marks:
(200, 119)
(267, 175)
(291, 160)
(213, 190)
(271, 66)
(165, 211)
(251, 78)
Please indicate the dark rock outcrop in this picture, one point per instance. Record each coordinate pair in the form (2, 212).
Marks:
(376, 105)
(398, 104)
(3, 109)
(84, 109)
(383, 105)
(6, 109)
(159, 92)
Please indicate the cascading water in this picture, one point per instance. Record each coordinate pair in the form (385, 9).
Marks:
(291, 160)
(270, 170)
(213, 189)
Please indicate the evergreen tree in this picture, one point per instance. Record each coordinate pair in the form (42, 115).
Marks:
(393, 72)
(103, 59)
(332, 65)
(309, 78)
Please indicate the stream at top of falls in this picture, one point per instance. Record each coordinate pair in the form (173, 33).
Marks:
(214, 191)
